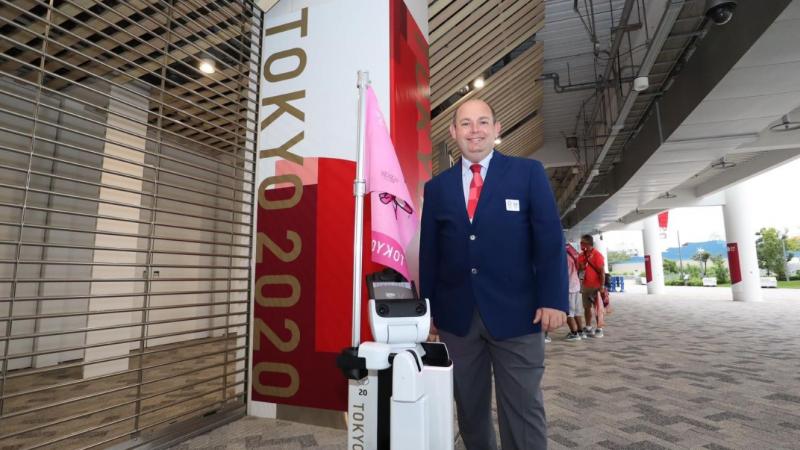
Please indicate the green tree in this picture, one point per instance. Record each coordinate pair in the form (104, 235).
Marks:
(719, 270)
(793, 244)
(670, 266)
(770, 251)
(702, 256)
(692, 270)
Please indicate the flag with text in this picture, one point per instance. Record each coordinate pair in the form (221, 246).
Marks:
(394, 216)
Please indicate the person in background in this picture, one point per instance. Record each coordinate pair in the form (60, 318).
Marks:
(575, 314)
(592, 263)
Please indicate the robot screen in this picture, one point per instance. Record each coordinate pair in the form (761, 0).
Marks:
(392, 290)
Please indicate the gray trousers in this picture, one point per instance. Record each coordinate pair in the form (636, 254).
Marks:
(518, 366)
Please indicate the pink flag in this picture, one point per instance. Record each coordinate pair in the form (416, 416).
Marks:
(394, 216)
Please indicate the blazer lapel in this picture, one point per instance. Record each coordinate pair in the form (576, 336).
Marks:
(455, 188)
(494, 176)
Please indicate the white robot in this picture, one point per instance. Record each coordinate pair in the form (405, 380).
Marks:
(401, 387)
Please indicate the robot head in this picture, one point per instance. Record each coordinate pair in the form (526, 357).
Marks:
(397, 315)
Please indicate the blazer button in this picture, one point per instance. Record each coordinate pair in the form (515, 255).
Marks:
(474, 271)
(471, 237)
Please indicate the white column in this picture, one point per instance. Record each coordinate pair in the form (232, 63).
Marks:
(740, 233)
(652, 252)
(601, 247)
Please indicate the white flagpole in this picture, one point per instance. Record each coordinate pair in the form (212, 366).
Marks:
(359, 190)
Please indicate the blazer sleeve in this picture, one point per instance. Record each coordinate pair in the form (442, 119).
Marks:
(428, 247)
(549, 258)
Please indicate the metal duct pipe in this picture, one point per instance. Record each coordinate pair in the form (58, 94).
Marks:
(664, 28)
(572, 87)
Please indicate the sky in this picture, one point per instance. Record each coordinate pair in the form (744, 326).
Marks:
(777, 206)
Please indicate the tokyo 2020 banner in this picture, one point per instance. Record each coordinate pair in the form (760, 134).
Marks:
(304, 189)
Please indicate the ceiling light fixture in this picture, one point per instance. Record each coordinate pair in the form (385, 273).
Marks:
(207, 66)
(785, 124)
(479, 83)
(722, 164)
(667, 194)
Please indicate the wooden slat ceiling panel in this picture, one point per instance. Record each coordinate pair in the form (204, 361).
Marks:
(508, 78)
(448, 33)
(514, 106)
(465, 45)
(515, 94)
(530, 99)
(525, 140)
(434, 6)
(439, 16)
(126, 43)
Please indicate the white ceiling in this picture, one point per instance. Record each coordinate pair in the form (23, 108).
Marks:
(732, 120)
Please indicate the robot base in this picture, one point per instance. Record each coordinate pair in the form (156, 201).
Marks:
(405, 401)
(401, 387)
(421, 403)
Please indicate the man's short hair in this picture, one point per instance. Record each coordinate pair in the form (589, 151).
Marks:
(588, 238)
(455, 113)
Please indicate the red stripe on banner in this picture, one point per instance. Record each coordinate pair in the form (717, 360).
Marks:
(733, 262)
(409, 97)
(334, 269)
(286, 368)
(410, 106)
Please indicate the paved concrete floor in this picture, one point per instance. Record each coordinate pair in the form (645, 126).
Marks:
(688, 369)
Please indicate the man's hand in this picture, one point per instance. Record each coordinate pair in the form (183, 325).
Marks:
(433, 333)
(550, 318)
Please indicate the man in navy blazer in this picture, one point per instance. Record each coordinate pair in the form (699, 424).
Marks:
(495, 280)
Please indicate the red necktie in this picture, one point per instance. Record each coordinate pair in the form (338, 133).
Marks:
(474, 190)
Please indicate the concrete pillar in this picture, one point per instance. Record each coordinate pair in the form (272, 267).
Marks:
(654, 265)
(740, 234)
(601, 247)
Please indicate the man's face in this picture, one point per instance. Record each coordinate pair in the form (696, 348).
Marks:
(474, 130)
(585, 246)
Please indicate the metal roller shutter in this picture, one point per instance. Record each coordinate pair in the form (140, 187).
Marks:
(126, 180)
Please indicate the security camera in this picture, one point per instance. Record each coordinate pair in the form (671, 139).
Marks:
(720, 11)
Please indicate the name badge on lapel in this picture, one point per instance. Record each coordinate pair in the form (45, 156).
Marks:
(512, 204)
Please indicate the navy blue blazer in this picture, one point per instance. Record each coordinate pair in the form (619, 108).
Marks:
(506, 263)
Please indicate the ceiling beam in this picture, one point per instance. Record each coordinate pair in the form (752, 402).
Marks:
(714, 57)
(746, 170)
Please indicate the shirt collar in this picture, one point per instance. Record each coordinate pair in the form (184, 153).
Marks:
(465, 163)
